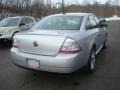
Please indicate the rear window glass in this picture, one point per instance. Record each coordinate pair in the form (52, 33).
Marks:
(60, 23)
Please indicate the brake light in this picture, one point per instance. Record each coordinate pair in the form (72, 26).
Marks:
(70, 47)
(15, 44)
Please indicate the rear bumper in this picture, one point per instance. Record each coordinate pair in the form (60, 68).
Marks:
(49, 69)
(60, 63)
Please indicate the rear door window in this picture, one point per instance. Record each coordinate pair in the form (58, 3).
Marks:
(91, 23)
(97, 20)
(30, 20)
(24, 20)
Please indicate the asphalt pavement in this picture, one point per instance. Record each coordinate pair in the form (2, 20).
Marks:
(106, 76)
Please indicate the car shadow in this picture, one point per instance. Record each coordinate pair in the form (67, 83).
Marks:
(54, 81)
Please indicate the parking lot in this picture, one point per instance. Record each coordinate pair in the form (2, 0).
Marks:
(106, 76)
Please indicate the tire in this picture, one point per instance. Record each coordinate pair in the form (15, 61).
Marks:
(91, 63)
(104, 44)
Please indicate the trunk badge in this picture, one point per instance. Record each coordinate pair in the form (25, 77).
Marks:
(35, 44)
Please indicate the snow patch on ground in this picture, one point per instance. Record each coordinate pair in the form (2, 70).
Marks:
(114, 18)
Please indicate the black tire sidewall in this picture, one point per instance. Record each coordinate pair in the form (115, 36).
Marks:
(89, 69)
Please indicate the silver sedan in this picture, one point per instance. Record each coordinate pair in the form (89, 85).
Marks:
(61, 43)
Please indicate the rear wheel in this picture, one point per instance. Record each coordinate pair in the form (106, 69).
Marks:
(91, 62)
(104, 44)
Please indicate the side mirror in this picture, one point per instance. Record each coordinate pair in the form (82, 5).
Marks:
(22, 24)
(103, 25)
(90, 27)
(102, 21)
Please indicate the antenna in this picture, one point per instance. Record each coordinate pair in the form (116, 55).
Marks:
(63, 7)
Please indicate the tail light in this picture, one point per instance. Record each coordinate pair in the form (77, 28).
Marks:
(70, 47)
(15, 44)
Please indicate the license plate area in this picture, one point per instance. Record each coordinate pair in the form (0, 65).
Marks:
(34, 64)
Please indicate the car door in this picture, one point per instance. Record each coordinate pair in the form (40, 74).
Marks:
(102, 31)
(93, 31)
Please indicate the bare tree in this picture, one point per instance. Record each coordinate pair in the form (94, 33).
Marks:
(39, 8)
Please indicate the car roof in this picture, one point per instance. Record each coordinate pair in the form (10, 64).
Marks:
(20, 16)
(72, 14)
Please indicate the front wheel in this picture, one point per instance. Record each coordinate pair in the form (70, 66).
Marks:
(92, 61)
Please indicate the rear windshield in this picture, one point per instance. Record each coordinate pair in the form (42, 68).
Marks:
(59, 23)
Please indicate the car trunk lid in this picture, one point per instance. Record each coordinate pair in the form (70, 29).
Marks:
(41, 44)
